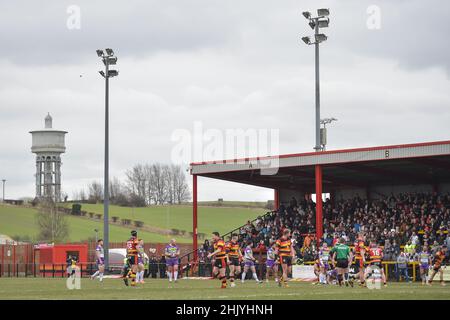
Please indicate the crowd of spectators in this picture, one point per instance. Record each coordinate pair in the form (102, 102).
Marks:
(402, 222)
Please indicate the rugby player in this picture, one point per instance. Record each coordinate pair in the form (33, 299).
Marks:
(324, 259)
(220, 256)
(126, 270)
(424, 259)
(100, 260)
(271, 263)
(437, 264)
(234, 258)
(132, 255)
(249, 261)
(141, 262)
(359, 253)
(375, 259)
(317, 270)
(172, 253)
(342, 258)
(285, 251)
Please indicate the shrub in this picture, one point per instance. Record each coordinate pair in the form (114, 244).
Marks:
(76, 209)
(175, 232)
(98, 216)
(138, 224)
(115, 219)
(126, 222)
(91, 214)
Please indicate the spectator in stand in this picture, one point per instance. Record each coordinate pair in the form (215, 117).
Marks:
(407, 218)
(402, 267)
(162, 266)
(153, 266)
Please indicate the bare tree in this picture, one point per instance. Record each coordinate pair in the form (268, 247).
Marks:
(136, 180)
(52, 223)
(95, 192)
(181, 188)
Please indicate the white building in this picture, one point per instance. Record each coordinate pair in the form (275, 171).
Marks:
(48, 144)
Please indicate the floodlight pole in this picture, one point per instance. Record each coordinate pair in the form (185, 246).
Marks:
(107, 59)
(316, 31)
(106, 178)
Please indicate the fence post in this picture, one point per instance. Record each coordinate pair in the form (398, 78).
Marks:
(26, 270)
(53, 270)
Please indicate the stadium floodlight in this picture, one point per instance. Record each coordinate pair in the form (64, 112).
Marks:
(320, 37)
(306, 14)
(323, 12)
(306, 40)
(323, 131)
(112, 73)
(108, 59)
(323, 22)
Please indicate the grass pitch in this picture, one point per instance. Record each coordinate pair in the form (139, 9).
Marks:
(159, 289)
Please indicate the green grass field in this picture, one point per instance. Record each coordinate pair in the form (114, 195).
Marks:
(41, 288)
(20, 221)
(210, 219)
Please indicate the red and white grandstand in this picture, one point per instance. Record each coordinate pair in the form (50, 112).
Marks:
(367, 172)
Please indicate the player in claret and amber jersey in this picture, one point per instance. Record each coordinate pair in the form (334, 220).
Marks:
(234, 258)
(132, 255)
(375, 254)
(438, 262)
(220, 255)
(359, 252)
(285, 250)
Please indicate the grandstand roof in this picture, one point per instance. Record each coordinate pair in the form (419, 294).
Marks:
(417, 163)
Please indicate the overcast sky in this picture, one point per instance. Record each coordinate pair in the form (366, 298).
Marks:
(226, 64)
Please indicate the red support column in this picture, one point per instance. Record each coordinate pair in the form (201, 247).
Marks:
(319, 206)
(276, 199)
(194, 216)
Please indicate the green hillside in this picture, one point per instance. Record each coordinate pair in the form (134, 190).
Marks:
(20, 221)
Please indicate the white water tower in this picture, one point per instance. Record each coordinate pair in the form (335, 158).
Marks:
(48, 144)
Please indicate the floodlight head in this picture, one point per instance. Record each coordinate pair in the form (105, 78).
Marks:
(102, 73)
(312, 24)
(112, 73)
(109, 51)
(110, 60)
(323, 12)
(306, 14)
(306, 40)
(323, 22)
(100, 53)
(320, 37)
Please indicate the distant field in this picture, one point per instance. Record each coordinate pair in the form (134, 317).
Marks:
(242, 204)
(158, 289)
(221, 219)
(20, 221)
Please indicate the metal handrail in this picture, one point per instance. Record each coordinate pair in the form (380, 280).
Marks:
(226, 234)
